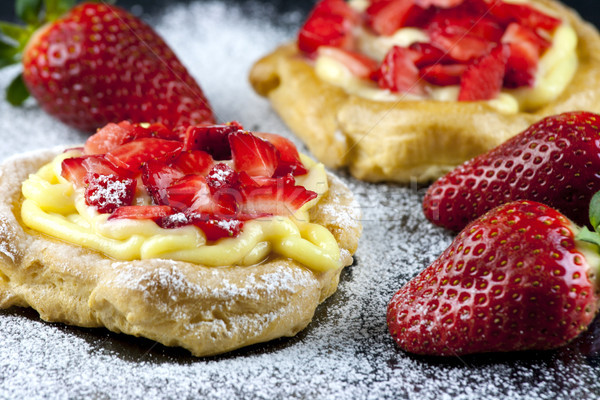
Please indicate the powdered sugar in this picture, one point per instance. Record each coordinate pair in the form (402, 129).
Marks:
(346, 352)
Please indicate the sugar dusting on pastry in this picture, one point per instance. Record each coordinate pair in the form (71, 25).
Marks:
(344, 353)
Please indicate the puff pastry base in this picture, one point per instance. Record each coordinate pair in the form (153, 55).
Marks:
(408, 140)
(205, 310)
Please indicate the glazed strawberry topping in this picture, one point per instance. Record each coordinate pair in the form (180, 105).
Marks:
(466, 38)
(253, 177)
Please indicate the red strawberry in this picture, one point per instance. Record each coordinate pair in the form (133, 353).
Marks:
(155, 213)
(387, 16)
(426, 54)
(483, 79)
(554, 162)
(280, 198)
(443, 75)
(97, 64)
(255, 156)
(398, 72)
(515, 279)
(213, 139)
(108, 137)
(193, 162)
(109, 192)
(131, 156)
(329, 24)
(157, 177)
(525, 15)
(215, 228)
(289, 159)
(526, 47)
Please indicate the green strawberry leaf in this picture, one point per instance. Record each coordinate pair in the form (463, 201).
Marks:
(15, 32)
(56, 8)
(594, 211)
(9, 54)
(17, 92)
(29, 11)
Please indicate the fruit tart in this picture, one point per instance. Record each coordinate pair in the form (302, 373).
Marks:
(207, 237)
(404, 90)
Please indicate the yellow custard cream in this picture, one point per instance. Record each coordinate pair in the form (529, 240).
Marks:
(556, 68)
(55, 207)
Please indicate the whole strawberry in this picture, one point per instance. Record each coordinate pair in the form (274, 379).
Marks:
(96, 64)
(555, 161)
(515, 279)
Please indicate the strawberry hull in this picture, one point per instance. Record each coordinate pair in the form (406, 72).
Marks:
(512, 280)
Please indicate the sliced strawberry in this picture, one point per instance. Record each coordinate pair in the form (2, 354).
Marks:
(443, 75)
(439, 3)
(525, 15)
(385, 17)
(525, 49)
(289, 158)
(212, 139)
(254, 155)
(109, 192)
(460, 46)
(216, 228)
(72, 169)
(108, 138)
(248, 183)
(329, 24)
(131, 156)
(358, 64)
(279, 199)
(157, 177)
(185, 191)
(425, 54)
(155, 213)
(221, 176)
(193, 162)
(483, 79)
(398, 72)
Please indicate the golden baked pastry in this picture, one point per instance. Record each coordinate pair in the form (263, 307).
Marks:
(205, 309)
(404, 140)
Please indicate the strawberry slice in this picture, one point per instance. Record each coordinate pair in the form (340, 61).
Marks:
(281, 198)
(483, 79)
(525, 49)
(329, 24)
(425, 54)
(193, 162)
(221, 176)
(289, 158)
(72, 169)
(155, 213)
(109, 192)
(216, 228)
(525, 15)
(185, 191)
(358, 64)
(212, 139)
(398, 72)
(131, 156)
(255, 156)
(438, 3)
(443, 75)
(157, 177)
(385, 17)
(108, 138)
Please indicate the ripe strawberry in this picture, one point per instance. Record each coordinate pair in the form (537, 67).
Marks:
(385, 17)
(358, 64)
(443, 75)
(329, 24)
(515, 279)
(109, 192)
(255, 156)
(97, 64)
(289, 159)
(131, 156)
(279, 198)
(155, 213)
(554, 162)
(398, 72)
(483, 79)
(213, 139)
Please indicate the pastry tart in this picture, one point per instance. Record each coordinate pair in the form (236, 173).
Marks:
(210, 238)
(401, 90)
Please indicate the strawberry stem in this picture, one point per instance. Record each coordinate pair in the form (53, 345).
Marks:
(594, 214)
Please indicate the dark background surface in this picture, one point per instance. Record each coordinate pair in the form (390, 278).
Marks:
(589, 9)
